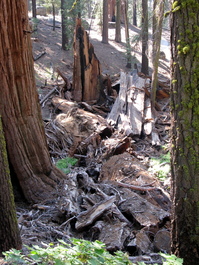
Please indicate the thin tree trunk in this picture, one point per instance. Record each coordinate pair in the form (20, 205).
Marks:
(128, 46)
(53, 6)
(135, 13)
(105, 22)
(19, 105)
(34, 11)
(158, 13)
(9, 233)
(64, 25)
(145, 61)
(118, 21)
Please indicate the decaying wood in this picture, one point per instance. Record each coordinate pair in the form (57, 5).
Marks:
(39, 56)
(128, 169)
(162, 241)
(63, 104)
(86, 71)
(86, 218)
(48, 95)
(59, 72)
(141, 242)
(145, 213)
(112, 234)
(133, 187)
(147, 126)
(128, 109)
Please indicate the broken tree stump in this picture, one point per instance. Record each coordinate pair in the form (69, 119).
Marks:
(86, 71)
(128, 110)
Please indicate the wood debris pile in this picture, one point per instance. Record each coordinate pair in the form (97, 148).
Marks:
(109, 195)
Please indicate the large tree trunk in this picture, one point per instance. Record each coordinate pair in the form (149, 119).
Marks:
(9, 233)
(185, 133)
(19, 105)
(145, 61)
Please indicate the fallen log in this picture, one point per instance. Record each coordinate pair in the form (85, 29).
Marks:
(162, 241)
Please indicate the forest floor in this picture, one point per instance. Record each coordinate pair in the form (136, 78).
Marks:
(112, 56)
(135, 230)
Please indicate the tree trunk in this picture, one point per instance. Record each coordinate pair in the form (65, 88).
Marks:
(9, 233)
(145, 61)
(29, 5)
(105, 22)
(53, 7)
(126, 23)
(118, 21)
(135, 13)
(86, 71)
(64, 25)
(34, 10)
(185, 130)
(19, 105)
(158, 14)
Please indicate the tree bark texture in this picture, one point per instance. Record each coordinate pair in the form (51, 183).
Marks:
(118, 21)
(19, 105)
(64, 24)
(135, 13)
(145, 61)
(185, 130)
(34, 10)
(126, 23)
(9, 233)
(86, 71)
(105, 22)
(158, 14)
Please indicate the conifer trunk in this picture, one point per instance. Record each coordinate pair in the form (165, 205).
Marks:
(19, 105)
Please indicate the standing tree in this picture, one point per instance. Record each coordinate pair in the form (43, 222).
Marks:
(118, 21)
(135, 13)
(19, 105)
(34, 10)
(185, 130)
(64, 17)
(9, 234)
(158, 14)
(145, 37)
(126, 23)
(105, 22)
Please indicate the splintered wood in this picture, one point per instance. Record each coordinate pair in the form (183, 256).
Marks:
(86, 71)
(129, 108)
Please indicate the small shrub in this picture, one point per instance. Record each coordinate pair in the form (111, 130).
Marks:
(65, 164)
(79, 252)
(160, 166)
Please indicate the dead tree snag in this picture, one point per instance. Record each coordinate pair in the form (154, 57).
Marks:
(86, 73)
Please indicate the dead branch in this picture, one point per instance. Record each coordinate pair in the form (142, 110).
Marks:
(39, 55)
